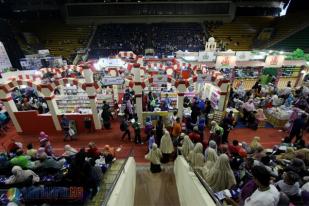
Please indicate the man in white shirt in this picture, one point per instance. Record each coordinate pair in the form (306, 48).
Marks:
(265, 194)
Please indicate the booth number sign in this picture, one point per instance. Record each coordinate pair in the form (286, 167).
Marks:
(109, 80)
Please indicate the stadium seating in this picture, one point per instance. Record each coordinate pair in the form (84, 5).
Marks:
(298, 40)
(239, 34)
(165, 38)
(287, 26)
(59, 38)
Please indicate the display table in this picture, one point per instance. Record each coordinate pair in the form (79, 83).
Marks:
(155, 116)
(277, 116)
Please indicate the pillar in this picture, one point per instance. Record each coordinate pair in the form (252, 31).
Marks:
(138, 92)
(11, 108)
(53, 110)
(181, 89)
(95, 114)
(113, 72)
(91, 92)
(139, 109)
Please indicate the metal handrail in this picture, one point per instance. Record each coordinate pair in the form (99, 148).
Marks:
(111, 189)
(207, 187)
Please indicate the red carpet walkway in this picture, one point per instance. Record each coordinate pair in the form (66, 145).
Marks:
(269, 137)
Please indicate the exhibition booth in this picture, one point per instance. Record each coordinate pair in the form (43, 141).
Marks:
(78, 91)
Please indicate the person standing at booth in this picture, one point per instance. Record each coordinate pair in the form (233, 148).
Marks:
(65, 125)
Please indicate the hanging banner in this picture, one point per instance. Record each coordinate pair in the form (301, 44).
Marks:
(225, 62)
(109, 80)
(5, 62)
(159, 79)
(243, 56)
(274, 61)
(206, 56)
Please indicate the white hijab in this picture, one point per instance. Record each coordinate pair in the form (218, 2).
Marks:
(196, 157)
(69, 151)
(187, 146)
(221, 176)
(154, 155)
(166, 145)
(20, 175)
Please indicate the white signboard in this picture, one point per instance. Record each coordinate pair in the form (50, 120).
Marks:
(206, 56)
(109, 80)
(243, 56)
(274, 61)
(43, 52)
(226, 62)
(159, 79)
(4, 58)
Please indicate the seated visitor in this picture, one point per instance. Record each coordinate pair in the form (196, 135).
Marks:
(289, 185)
(266, 194)
(47, 162)
(31, 152)
(19, 176)
(195, 135)
(93, 151)
(20, 160)
(255, 144)
(69, 151)
(234, 148)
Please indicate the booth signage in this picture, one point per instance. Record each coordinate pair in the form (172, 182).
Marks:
(159, 79)
(206, 56)
(243, 56)
(274, 61)
(109, 80)
(226, 62)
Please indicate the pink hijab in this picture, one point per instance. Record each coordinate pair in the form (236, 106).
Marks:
(43, 137)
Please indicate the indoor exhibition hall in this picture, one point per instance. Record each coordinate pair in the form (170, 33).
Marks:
(154, 103)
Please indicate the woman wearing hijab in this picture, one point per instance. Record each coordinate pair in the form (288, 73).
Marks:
(154, 156)
(255, 144)
(187, 146)
(211, 145)
(196, 157)
(210, 161)
(20, 176)
(69, 151)
(221, 176)
(166, 146)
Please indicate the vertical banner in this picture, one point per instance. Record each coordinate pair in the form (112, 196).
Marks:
(4, 58)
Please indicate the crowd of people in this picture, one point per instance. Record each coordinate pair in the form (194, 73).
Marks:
(254, 174)
(37, 171)
(27, 99)
(164, 38)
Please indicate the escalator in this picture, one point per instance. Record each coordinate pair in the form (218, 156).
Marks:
(155, 189)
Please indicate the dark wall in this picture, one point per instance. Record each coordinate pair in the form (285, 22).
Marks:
(12, 48)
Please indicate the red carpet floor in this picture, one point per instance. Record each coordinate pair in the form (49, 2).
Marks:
(269, 137)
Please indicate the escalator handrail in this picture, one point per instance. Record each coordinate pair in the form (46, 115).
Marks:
(111, 189)
(204, 184)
